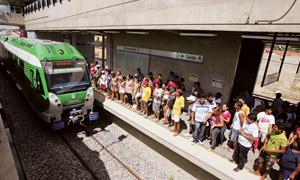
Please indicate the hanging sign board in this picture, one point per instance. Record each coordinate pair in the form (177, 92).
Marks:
(168, 54)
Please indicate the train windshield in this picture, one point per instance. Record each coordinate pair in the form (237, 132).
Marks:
(66, 76)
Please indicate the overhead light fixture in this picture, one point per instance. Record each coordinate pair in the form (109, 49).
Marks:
(93, 32)
(281, 38)
(111, 32)
(198, 34)
(136, 32)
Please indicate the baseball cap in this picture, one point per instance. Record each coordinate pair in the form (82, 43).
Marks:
(191, 98)
(278, 92)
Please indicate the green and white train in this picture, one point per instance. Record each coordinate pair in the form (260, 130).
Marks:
(53, 76)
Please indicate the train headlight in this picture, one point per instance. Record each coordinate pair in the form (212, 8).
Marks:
(54, 101)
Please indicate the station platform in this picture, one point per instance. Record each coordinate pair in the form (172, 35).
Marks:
(215, 163)
(8, 170)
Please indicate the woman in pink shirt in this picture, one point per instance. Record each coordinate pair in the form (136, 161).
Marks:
(217, 122)
(226, 117)
(129, 87)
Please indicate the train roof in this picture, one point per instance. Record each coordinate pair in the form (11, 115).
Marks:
(41, 50)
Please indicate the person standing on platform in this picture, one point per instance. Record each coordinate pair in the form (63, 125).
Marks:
(265, 123)
(245, 107)
(236, 125)
(277, 103)
(247, 135)
(156, 106)
(129, 86)
(177, 111)
(146, 94)
(201, 112)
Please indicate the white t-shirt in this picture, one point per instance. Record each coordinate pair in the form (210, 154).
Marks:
(250, 129)
(264, 120)
(236, 121)
(159, 93)
(201, 111)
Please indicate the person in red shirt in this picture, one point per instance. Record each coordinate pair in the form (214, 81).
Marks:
(226, 118)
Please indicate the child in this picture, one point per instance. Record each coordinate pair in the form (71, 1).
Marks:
(177, 111)
(248, 134)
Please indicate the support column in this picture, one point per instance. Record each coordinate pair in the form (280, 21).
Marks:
(269, 59)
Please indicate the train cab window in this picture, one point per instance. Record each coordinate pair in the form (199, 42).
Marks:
(39, 84)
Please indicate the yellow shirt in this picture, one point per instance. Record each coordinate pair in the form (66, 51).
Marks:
(178, 105)
(246, 110)
(146, 94)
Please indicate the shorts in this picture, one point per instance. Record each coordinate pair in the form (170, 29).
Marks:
(233, 135)
(175, 118)
(156, 107)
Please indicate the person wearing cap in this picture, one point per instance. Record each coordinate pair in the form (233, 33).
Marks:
(277, 102)
(177, 111)
(191, 101)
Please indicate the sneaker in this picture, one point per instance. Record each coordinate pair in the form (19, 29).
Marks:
(201, 142)
(187, 135)
(237, 169)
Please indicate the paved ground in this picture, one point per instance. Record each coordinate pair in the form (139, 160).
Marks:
(287, 77)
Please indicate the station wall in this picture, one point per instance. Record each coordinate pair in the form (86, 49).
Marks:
(220, 55)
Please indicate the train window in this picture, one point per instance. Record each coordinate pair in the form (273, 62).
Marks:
(21, 63)
(39, 86)
(32, 77)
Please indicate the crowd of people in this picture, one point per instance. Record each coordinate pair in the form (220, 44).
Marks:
(272, 130)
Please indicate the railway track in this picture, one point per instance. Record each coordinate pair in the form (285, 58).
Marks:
(76, 153)
(85, 164)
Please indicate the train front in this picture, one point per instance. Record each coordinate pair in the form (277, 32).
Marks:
(70, 91)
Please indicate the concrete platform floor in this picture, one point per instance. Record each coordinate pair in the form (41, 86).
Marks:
(8, 170)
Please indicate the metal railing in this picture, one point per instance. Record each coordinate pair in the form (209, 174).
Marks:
(40, 5)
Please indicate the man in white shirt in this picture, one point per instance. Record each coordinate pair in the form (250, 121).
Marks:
(265, 122)
(248, 134)
(201, 112)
